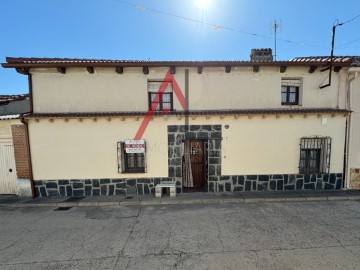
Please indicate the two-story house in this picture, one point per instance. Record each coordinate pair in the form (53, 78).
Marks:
(108, 127)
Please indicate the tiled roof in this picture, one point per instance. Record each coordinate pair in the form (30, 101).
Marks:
(23, 62)
(198, 112)
(7, 117)
(323, 59)
(9, 98)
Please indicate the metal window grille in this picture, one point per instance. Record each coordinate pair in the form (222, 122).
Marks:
(315, 155)
(130, 162)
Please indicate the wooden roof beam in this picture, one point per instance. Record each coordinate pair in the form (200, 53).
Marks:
(283, 69)
(23, 70)
(90, 70)
(119, 70)
(61, 70)
(172, 69)
(312, 69)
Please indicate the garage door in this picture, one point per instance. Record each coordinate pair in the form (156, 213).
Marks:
(7, 169)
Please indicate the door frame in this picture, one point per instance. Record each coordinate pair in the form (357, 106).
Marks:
(205, 182)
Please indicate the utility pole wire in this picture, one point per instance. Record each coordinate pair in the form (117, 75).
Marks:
(342, 45)
(340, 24)
(217, 27)
(336, 24)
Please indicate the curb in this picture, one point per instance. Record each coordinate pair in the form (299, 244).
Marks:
(182, 201)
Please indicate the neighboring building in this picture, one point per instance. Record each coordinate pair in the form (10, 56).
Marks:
(354, 138)
(14, 166)
(108, 127)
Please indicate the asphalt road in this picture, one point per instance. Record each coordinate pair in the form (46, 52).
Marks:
(267, 235)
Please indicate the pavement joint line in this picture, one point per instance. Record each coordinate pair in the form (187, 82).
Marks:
(275, 199)
(46, 205)
(126, 203)
(66, 204)
(192, 201)
(170, 202)
(247, 200)
(109, 203)
(319, 198)
(18, 205)
(210, 201)
(27, 204)
(295, 199)
(167, 202)
(338, 198)
(149, 202)
(88, 204)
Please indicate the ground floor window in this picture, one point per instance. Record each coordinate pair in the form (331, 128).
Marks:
(130, 162)
(315, 155)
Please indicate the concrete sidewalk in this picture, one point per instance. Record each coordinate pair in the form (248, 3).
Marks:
(184, 198)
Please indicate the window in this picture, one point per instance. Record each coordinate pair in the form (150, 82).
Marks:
(315, 155)
(130, 162)
(290, 91)
(160, 100)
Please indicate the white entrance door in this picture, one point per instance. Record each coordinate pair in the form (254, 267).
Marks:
(7, 169)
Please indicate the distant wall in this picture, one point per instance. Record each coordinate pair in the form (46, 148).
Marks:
(354, 155)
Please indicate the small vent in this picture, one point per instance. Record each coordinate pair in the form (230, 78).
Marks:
(129, 197)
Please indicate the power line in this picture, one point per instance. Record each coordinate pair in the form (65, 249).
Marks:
(340, 46)
(217, 27)
(340, 24)
(343, 48)
(336, 24)
(214, 26)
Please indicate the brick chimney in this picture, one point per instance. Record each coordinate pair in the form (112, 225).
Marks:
(261, 54)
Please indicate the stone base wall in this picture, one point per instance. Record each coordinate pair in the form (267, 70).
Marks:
(275, 182)
(224, 183)
(100, 187)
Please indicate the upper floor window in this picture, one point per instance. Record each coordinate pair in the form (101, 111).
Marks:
(290, 91)
(315, 155)
(160, 99)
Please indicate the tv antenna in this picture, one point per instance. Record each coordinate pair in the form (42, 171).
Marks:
(274, 29)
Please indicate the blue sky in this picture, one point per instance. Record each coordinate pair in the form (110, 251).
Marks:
(164, 30)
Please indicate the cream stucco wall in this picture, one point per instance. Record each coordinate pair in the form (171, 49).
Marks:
(87, 149)
(271, 146)
(5, 129)
(105, 90)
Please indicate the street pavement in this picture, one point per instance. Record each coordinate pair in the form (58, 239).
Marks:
(217, 234)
